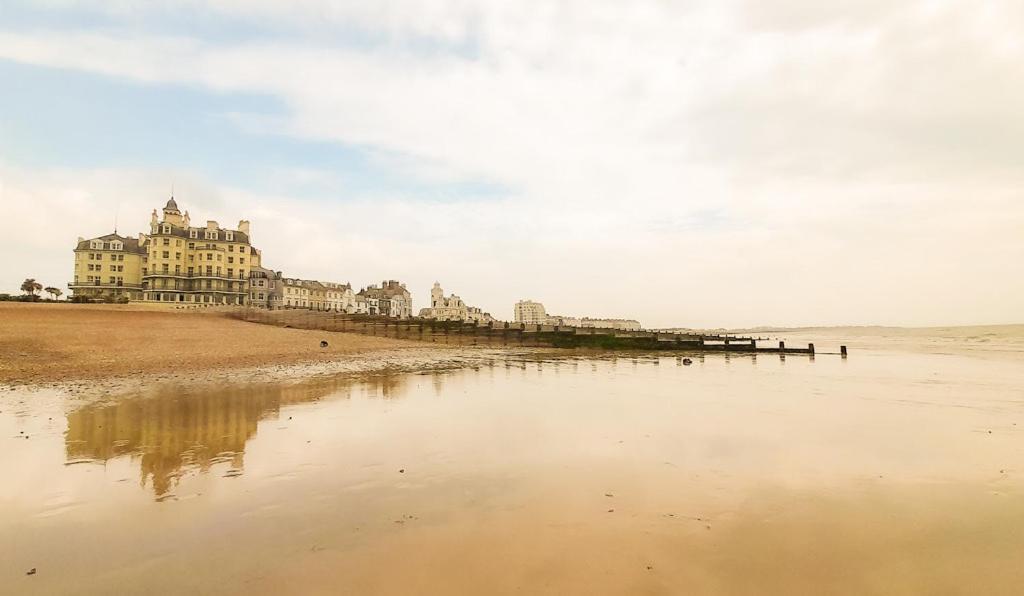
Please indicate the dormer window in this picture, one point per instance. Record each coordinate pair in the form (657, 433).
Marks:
(210, 235)
(229, 236)
(193, 233)
(166, 229)
(97, 244)
(116, 245)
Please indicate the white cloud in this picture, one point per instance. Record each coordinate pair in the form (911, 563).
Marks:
(691, 163)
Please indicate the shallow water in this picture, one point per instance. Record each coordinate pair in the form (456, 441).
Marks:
(897, 470)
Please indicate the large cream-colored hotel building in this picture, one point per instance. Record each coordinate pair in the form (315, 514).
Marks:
(175, 262)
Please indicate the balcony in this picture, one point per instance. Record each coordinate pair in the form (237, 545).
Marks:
(95, 284)
(197, 276)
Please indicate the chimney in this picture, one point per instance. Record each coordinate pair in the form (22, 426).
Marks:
(211, 225)
(243, 226)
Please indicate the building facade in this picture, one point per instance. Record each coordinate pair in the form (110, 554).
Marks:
(110, 268)
(452, 308)
(266, 289)
(390, 299)
(319, 295)
(533, 313)
(199, 265)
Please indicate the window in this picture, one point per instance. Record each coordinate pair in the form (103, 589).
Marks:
(190, 271)
(113, 279)
(231, 247)
(177, 256)
(193, 234)
(166, 254)
(209, 270)
(229, 236)
(92, 256)
(191, 245)
(220, 257)
(166, 269)
(209, 256)
(99, 256)
(241, 261)
(231, 259)
(231, 272)
(177, 243)
(167, 241)
(166, 230)
(191, 258)
(116, 245)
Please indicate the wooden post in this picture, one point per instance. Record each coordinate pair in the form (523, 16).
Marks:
(810, 348)
(782, 345)
(842, 351)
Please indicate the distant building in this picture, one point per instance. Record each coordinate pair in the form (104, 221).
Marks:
(319, 295)
(533, 313)
(452, 308)
(390, 299)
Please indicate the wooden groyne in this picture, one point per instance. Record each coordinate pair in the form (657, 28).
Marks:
(511, 334)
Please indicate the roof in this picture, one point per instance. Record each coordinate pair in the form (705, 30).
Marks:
(130, 244)
(181, 232)
(171, 205)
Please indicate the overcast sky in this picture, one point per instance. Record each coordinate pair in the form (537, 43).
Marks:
(686, 163)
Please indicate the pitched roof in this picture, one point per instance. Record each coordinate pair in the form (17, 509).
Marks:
(130, 244)
(171, 205)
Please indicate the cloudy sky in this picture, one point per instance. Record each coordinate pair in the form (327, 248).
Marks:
(690, 163)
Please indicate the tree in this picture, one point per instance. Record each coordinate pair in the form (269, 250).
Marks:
(30, 287)
(54, 292)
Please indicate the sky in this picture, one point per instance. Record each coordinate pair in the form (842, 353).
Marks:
(687, 163)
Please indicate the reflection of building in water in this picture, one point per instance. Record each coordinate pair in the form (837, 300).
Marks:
(172, 433)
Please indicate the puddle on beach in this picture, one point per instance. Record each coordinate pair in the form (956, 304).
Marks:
(890, 472)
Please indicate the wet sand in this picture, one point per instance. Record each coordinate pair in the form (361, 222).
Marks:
(896, 471)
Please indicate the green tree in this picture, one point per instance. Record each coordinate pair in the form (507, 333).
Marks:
(31, 287)
(53, 292)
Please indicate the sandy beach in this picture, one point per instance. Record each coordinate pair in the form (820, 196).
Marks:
(46, 344)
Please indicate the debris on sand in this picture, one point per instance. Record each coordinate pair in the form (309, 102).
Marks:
(323, 343)
(31, 571)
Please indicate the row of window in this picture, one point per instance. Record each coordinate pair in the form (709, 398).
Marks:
(99, 279)
(113, 245)
(166, 254)
(207, 234)
(99, 267)
(94, 256)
